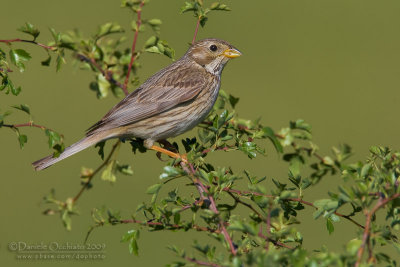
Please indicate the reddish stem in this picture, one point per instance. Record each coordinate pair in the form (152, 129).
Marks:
(381, 203)
(133, 56)
(227, 237)
(28, 41)
(203, 263)
(196, 30)
(28, 124)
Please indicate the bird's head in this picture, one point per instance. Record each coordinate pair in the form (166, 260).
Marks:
(212, 54)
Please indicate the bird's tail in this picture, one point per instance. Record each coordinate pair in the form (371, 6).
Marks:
(69, 151)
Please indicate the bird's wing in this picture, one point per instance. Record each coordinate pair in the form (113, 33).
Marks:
(164, 90)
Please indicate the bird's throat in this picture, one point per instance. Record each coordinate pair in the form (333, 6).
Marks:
(215, 67)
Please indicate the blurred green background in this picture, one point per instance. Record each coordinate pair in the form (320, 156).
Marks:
(334, 64)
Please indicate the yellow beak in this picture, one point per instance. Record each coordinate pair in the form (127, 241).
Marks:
(231, 53)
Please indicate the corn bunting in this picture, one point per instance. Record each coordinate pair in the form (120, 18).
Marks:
(169, 103)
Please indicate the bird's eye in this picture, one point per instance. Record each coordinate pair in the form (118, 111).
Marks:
(213, 48)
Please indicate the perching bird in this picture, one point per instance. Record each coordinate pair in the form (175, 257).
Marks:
(169, 103)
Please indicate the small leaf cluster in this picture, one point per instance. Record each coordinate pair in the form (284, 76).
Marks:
(7, 84)
(65, 209)
(201, 12)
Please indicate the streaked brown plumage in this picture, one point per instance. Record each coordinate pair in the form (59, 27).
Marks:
(169, 103)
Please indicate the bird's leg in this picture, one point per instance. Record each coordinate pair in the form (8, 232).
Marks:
(169, 153)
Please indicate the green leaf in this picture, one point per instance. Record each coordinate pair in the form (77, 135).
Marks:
(109, 172)
(152, 41)
(108, 28)
(243, 227)
(101, 145)
(53, 137)
(153, 49)
(249, 148)
(365, 170)
(295, 162)
(353, 246)
(30, 29)
(15, 90)
(203, 21)
(125, 169)
(137, 144)
(2, 117)
(269, 133)
(325, 206)
(189, 7)
(170, 172)
(47, 61)
(22, 107)
(300, 124)
(233, 101)
(132, 236)
(328, 161)
(17, 57)
(66, 219)
(161, 47)
(58, 149)
(154, 22)
(177, 218)
(22, 139)
(60, 60)
(222, 119)
(329, 226)
(375, 150)
(219, 6)
(56, 36)
(7, 83)
(154, 189)
(103, 86)
(167, 50)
